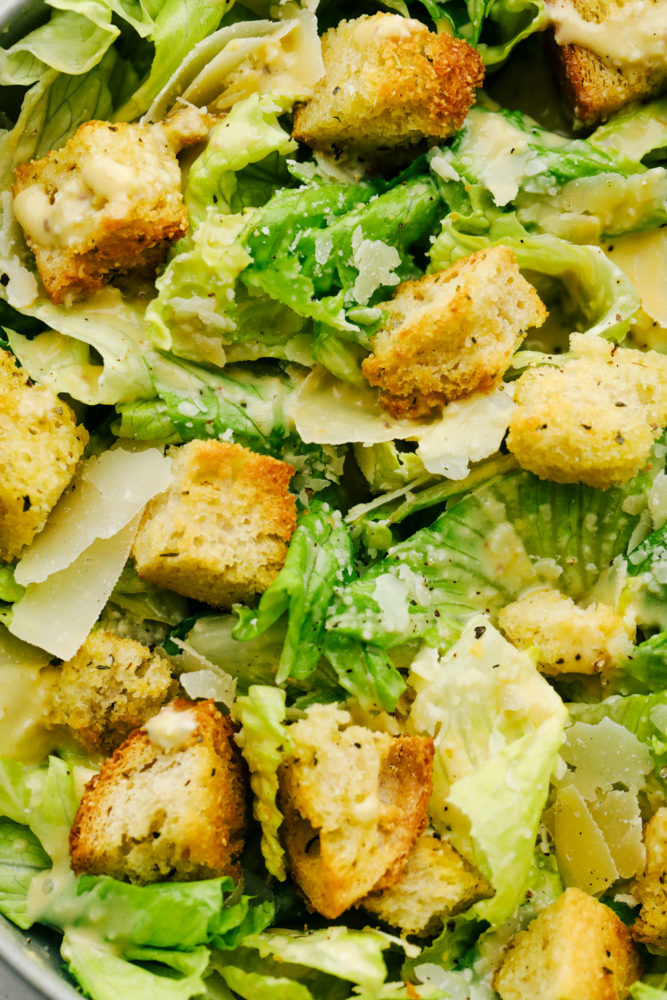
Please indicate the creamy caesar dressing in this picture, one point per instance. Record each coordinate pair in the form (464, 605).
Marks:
(630, 34)
(171, 728)
(24, 732)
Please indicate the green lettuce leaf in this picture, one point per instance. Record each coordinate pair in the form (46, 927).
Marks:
(21, 858)
(570, 188)
(319, 558)
(497, 726)
(264, 740)
(513, 532)
(105, 975)
(177, 26)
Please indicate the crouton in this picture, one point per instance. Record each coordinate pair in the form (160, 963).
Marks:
(436, 884)
(596, 81)
(650, 888)
(452, 333)
(220, 532)
(569, 639)
(110, 687)
(354, 803)
(40, 445)
(593, 418)
(388, 82)
(576, 947)
(108, 202)
(170, 802)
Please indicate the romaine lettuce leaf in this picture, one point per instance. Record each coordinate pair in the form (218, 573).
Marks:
(264, 741)
(319, 559)
(106, 975)
(497, 726)
(513, 532)
(21, 858)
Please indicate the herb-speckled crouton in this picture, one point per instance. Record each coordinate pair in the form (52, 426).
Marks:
(110, 687)
(354, 803)
(569, 639)
(449, 334)
(651, 886)
(220, 532)
(40, 446)
(436, 884)
(107, 202)
(577, 948)
(592, 418)
(595, 84)
(388, 81)
(170, 802)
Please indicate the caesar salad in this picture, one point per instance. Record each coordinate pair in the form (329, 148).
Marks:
(333, 388)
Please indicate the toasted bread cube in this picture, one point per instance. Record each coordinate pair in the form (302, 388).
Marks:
(108, 202)
(650, 889)
(436, 884)
(452, 333)
(169, 803)
(594, 83)
(220, 532)
(40, 445)
(592, 419)
(576, 948)
(354, 803)
(110, 687)
(388, 82)
(569, 639)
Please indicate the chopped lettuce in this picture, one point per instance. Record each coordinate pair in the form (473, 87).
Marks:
(264, 741)
(497, 726)
(319, 558)
(21, 858)
(513, 532)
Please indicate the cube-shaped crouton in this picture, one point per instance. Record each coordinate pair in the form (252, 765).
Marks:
(449, 334)
(40, 445)
(110, 687)
(354, 803)
(220, 532)
(569, 639)
(169, 803)
(651, 886)
(108, 202)
(388, 82)
(576, 948)
(593, 418)
(595, 78)
(436, 884)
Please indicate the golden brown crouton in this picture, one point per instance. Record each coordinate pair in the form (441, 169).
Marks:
(576, 948)
(40, 445)
(388, 82)
(569, 639)
(436, 884)
(354, 803)
(593, 418)
(220, 532)
(651, 886)
(108, 202)
(110, 687)
(452, 333)
(595, 81)
(170, 802)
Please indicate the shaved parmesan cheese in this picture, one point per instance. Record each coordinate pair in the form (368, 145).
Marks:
(471, 429)
(106, 494)
(376, 262)
(328, 411)
(213, 683)
(584, 859)
(58, 613)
